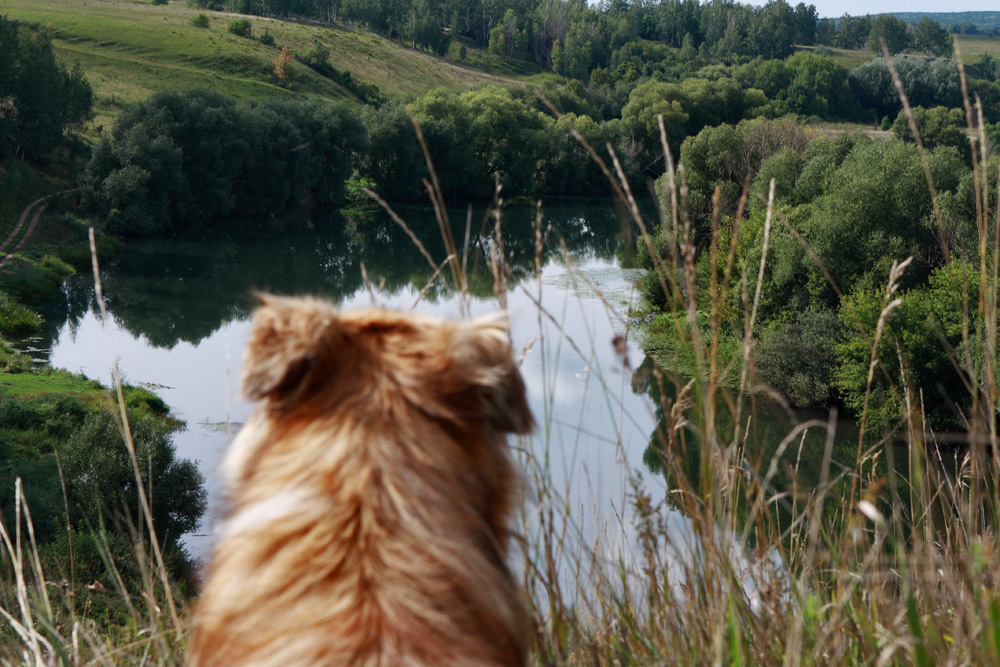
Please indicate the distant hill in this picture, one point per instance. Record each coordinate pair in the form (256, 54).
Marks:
(984, 21)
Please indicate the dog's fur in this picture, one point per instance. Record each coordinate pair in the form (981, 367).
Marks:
(370, 495)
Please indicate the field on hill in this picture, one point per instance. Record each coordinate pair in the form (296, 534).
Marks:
(128, 51)
(975, 46)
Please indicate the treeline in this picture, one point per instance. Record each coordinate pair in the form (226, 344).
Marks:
(39, 98)
(184, 158)
(573, 38)
(860, 204)
(179, 158)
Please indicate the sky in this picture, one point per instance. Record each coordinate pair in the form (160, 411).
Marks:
(835, 8)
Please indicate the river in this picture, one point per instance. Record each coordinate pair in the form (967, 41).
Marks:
(181, 308)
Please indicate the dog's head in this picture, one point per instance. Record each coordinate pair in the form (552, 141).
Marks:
(378, 446)
(301, 348)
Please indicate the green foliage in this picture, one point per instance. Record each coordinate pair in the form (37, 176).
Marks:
(31, 278)
(796, 357)
(938, 126)
(266, 38)
(99, 476)
(878, 199)
(926, 83)
(318, 57)
(201, 21)
(140, 398)
(241, 28)
(686, 107)
(16, 318)
(890, 30)
(183, 158)
(929, 36)
(926, 332)
(39, 98)
(725, 156)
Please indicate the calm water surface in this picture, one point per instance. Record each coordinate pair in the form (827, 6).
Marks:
(181, 310)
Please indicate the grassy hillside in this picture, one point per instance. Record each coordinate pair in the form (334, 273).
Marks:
(973, 48)
(130, 50)
(982, 20)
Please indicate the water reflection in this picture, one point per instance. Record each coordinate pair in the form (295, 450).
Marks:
(184, 288)
(181, 308)
(180, 312)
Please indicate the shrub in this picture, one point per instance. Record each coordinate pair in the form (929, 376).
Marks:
(15, 318)
(160, 2)
(797, 358)
(241, 28)
(139, 397)
(938, 126)
(99, 475)
(267, 38)
(201, 21)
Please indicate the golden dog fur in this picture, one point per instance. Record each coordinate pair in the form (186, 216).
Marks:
(369, 496)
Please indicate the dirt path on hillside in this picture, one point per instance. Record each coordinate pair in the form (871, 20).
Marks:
(6, 256)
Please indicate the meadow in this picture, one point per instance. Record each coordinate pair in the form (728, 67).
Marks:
(130, 50)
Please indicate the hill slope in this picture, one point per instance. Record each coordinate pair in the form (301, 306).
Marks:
(982, 20)
(130, 50)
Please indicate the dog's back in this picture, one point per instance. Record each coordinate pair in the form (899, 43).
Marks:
(370, 496)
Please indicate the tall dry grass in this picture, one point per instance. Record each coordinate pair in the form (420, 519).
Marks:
(866, 567)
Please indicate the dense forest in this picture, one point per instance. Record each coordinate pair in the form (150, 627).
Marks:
(182, 158)
(574, 38)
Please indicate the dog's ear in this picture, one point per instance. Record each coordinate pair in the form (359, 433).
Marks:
(289, 337)
(482, 356)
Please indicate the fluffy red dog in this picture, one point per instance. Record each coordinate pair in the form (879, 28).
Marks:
(370, 496)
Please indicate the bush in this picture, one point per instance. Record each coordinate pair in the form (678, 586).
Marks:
(201, 21)
(241, 28)
(938, 126)
(15, 318)
(160, 2)
(797, 358)
(267, 38)
(185, 158)
(99, 475)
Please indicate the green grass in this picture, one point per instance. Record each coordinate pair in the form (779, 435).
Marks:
(128, 51)
(846, 58)
(50, 381)
(974, 47)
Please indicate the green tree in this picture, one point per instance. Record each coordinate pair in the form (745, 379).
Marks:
(241, 28)
(184, 158)
(878, 199)
(938, 126)
(854, 31)
(818, 87)
(772, 30)
(394, 162)
(797, 357)
(925, 332)
(100, 479)
(39, 98)
(892, 30)
(928, 35)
